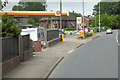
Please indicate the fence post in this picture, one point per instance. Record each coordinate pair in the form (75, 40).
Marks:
(20, 48)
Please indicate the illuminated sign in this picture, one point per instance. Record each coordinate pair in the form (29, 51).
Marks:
(33, 13)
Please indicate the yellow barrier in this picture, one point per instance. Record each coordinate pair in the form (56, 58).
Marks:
(60, 36)
(92, 32)
(80, 34)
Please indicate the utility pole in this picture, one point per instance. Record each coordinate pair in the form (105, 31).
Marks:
(95, 16)
(51, 20)
(61, 20)
(83, 20)
(99, 16)
(95, 20)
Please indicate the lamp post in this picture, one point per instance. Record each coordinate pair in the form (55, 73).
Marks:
(83, 20)
(51, 20)
(94, 13)
(99, 16)
(61, 20)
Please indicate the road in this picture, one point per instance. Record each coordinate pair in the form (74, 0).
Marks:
(96, 59)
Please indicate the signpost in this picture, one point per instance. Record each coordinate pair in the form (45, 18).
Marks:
(79, 24)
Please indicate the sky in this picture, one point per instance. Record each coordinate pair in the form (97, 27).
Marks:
(67, 5)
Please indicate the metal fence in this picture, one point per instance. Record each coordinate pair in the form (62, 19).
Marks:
(10, 48)
(52, 34)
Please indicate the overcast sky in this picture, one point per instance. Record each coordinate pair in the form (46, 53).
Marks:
(67, 5)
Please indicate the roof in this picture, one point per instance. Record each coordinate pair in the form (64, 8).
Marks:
(22, 24)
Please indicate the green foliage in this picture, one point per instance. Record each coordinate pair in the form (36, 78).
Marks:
(107, 20)
(9, 29)
(30, 21)
(110, 8)
(77, 15)
(106, 27)
(37, 24)
(17, 8)
(30, 6)
(3, 4)
(69, 29)
(88, 35)
(110, 12)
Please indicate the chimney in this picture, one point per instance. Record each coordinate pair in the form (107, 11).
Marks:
(73, 11)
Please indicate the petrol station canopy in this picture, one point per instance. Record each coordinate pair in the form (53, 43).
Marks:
(33, 13)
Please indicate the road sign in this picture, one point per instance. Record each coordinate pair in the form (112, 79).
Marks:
(79, 20)
(103, 28)
(57, 13)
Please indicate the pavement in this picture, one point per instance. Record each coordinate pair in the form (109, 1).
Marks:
(96, 59)
(41, 64)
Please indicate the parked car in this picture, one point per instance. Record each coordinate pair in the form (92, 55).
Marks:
(109, 31)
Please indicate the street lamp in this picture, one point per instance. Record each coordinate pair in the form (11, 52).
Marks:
(94, 13)
(61, 20)
(99, 16)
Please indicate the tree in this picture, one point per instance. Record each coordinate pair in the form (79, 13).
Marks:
(3, 4)
(9, 29)
(30, 21)
(110, 8)
(107, 20)
(76, 14)
(109, 14)
(30, 6)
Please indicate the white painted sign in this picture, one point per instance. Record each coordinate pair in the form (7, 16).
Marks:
(79, 20)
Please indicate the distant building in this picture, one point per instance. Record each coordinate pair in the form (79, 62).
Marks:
(22, 25)
(67, 21)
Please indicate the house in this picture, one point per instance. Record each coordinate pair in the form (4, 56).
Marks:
(37, 35)
(67, 21)
(22, 25)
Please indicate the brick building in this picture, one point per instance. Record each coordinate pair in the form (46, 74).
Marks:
(67, 21)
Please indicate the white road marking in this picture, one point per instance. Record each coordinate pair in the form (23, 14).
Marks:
(71, 51)
(117, 39)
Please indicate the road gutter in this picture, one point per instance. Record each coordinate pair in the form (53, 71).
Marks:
(54, 66)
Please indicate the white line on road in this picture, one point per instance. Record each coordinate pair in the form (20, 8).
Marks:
(71, 51)
(117, 39)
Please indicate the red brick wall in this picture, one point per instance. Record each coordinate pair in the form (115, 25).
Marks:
(10, 64)
(37, 45)
(47, 44)
(86, 21)
(29, 53)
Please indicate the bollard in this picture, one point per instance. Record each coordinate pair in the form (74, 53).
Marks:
(61, 37)
(80, 34)
(92, 32)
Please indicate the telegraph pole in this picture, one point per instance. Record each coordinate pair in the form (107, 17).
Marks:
(61, 20)
(83, 20)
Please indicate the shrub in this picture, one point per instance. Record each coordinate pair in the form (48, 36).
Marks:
(88, 35)
(9, 29)
(37, 24)
(69, 29)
